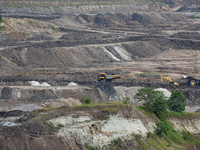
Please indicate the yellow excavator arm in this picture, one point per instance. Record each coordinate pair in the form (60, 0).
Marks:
(169, 79)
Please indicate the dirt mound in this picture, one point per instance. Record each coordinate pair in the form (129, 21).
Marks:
(85, 17)
(165, 92)
(108, 19)
(120, 20)
(187, 35)
(142, 49)
(139, 18)
(17, 35)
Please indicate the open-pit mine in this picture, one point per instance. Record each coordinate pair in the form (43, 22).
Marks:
(51, 54)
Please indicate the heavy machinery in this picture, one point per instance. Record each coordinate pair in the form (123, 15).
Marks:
(170, 80)
(193, 80)
(103, 77)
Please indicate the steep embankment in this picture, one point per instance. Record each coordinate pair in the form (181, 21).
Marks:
(78, 128)
(110, 125)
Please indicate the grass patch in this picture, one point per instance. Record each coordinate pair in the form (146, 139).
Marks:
(184, 115)
(31, 23)
(51, 127)
(89, 147)
(112, 104)
(50, 108)
(145, 112)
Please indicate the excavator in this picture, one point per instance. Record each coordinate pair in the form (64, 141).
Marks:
(170, 80)
(103, 77)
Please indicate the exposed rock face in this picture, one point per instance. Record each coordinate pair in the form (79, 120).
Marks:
(191, 125)
(82, 128)
(129, 92)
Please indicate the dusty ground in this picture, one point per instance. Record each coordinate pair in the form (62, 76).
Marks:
(60, 49)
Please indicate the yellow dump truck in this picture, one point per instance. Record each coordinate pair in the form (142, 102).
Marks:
(193, 80)
(103, 77)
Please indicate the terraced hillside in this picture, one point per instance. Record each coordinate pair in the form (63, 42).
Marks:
(91, 6)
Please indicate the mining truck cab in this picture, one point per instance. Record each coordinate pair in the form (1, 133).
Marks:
(102, 77)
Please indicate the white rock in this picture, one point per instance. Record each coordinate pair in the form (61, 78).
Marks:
(34, 83)
(72, 84)
(165, 92)
(45, 84)
(184, 77)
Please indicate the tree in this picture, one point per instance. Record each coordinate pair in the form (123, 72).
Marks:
(149, 96)
(159, 107)
(176, 102)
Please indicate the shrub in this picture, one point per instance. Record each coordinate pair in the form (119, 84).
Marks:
(162, 128)
(126, 100)
(176, 102)
(86, 100)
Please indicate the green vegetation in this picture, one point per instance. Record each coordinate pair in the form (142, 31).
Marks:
(2, 27)
(126, 100)
(89, 147)
(1, 18)
(31, 23)
(176, 102)
(153, 101)
(165, 137)
(86, 100)
(50, 108)
(51, 127)
(162, 128)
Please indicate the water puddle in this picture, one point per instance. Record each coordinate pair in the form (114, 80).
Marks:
(8, 123)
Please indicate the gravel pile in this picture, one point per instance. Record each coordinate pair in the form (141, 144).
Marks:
(36, 83)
